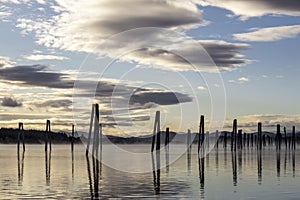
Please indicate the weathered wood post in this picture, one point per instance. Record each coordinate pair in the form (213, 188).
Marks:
(156, 132)
(285, 137)
(90, 130)
(233, 135)
(259, 132)
(225, 140)
(217, 139)
(201, 133)
(72, 139)
(278, 137)
(21, 134)
(167, 137)
(96, 131)
(189, 138)
(240, 141)
(48, 136)
(294, 138)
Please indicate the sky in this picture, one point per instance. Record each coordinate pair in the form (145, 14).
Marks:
(222, 59)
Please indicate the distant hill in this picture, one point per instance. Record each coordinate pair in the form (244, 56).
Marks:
(8, 136)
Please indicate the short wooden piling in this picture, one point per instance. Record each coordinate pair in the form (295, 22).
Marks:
(234, 135)
(285, 137)
(278, 137)
(189, 138)
(294, 138)
(72, 139)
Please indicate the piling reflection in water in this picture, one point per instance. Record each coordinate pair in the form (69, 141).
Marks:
(201, 160)
(156, 171)
(234, 167)
(278, 162)
(48, 166)
(259, 166)
(94, 176)
(20, 156)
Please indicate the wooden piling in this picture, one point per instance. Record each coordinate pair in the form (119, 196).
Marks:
(234, 135)
(21, 134)
(217, 139)
(90, 130)
(259, 133)
(278, 137)
(294, 138)
(156, 132)
(48, 136)
(167, 137)
(201, 133)
(285, 137)
(189, 138)
(72, 139)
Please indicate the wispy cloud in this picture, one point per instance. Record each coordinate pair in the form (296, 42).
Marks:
(243, 79)
(256, 8)
(38, 57)
(269, 34)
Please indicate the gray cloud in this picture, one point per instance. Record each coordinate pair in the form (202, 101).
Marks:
(256, 8)
(60, 103)
(10, 102)
(158, 97)
(225, 55)
(36, 75)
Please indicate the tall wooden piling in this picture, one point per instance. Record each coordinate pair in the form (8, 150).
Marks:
(96, 131)
(90, 130)
(48, 135)
(21, 135)
(259, 133)
(201, 133)
(156, 132)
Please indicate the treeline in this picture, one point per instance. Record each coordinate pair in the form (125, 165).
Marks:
(8, 136)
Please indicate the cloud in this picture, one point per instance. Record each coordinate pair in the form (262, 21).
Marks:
(143, 96)
(256, 8)
(5, 62)
(61, 103)
(35, 75)
(38, 57)
(10, 102)
(201, 88)
(269, 34)
(243, 79)
(180, 56)
(269, 122)
(81, 25)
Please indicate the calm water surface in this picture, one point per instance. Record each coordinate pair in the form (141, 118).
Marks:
(221, 175)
